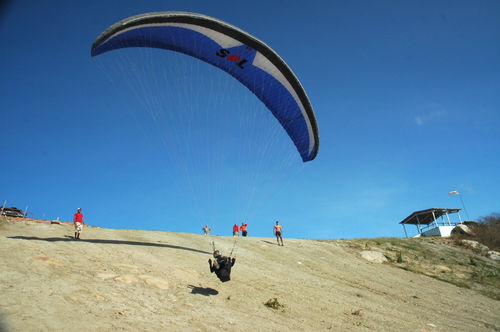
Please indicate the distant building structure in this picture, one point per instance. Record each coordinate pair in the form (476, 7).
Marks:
(432, 222)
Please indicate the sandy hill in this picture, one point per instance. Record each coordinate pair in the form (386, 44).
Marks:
(158, 281)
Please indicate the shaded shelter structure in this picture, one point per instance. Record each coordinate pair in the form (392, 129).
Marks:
(432, 222)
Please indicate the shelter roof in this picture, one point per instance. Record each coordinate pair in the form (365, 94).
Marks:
(425, 217)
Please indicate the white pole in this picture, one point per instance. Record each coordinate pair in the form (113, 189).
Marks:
(3, 207)
(435, 221)
(26, 211)
(418, 225)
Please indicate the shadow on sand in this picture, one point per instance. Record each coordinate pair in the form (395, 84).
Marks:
(203, 290)
(269, 242)
(98, 241)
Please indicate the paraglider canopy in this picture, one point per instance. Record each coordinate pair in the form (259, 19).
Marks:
(231, 49)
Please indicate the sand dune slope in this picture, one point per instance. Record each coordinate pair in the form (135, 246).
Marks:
(158, 281)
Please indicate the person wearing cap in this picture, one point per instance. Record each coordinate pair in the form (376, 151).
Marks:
(78, 221)
(222, 266)
(243, 228)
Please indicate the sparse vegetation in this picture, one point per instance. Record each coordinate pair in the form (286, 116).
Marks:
(389, 258)
(439, 258)
(486, 231)
(400, 258)
(273, 303)
(472, 261)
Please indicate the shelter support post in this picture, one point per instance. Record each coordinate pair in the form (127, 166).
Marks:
(435, 221)
(448, 217)
(418, 225)
(406, 234)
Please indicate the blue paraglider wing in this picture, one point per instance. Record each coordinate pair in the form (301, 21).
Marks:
(238, 53)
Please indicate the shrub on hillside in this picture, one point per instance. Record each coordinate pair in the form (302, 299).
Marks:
(486, 231)
(274, 304)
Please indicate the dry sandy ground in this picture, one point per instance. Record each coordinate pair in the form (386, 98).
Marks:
(157, 281)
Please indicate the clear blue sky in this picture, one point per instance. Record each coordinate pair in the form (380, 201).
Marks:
(406, 94)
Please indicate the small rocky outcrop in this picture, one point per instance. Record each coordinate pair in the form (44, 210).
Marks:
(495, 255)
(461, 229)
(373, 256)
(474, 245)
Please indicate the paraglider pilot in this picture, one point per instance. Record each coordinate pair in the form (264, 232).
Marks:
(222, 266)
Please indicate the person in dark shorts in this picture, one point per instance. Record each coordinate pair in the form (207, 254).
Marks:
(277, 231)
(222, 266)
(243, 228)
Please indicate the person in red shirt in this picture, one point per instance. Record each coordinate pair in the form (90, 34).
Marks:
(78, 221)
(243, 228)
(236, 230)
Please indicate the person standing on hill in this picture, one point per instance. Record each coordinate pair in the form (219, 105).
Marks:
(277, 231)
(78, 221)
(206, 230)
(236, 230)
(243, 228)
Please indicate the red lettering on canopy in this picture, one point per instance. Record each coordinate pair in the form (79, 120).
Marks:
(234, 57)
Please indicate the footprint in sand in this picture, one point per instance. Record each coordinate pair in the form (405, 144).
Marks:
(106, 276)
(127, 278)
(186, 275)
(128, 265)
(48, 260)
(157, 282)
